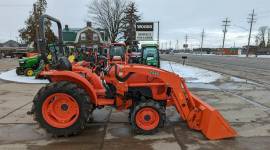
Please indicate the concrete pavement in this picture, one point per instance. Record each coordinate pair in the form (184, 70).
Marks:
(111, 129)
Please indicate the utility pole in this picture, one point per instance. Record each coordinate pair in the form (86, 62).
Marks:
(202, 41)
(251, 20)
(225, 24)
(158, 32)
(186, 41)
(170, 44)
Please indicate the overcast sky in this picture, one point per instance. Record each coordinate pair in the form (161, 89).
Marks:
(177, 18)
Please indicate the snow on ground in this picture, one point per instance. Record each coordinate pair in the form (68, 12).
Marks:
(253, 56)
(263, 56)
(242, 55)
(12, 76)
(191, 74)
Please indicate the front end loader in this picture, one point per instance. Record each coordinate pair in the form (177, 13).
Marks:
(65, 105)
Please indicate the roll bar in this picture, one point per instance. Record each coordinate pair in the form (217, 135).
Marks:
(42, 38)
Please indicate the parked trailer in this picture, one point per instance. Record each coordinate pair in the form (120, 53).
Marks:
(12, 52)
(7, 51)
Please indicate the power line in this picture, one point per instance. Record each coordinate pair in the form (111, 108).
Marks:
(225, 24)
(251, 20)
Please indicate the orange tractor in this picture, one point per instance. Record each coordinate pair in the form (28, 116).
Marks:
(64, 106)
(118, 54)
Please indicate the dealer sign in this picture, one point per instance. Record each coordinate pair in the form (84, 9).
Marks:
(144, 31)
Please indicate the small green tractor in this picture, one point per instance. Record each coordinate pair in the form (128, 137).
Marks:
(28, 65)
(31, 66)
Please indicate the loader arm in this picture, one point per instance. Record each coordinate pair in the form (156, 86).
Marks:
(198, 114)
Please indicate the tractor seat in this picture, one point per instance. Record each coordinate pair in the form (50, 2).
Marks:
(116, 58)
(64, 64)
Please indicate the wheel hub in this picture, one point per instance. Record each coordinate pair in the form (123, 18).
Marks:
(60, 110)
(147, 118)
(64, 107)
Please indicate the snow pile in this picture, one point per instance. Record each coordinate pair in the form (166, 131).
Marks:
(12, 76)
(191, 74)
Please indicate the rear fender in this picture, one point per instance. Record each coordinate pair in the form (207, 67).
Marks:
(57, 76)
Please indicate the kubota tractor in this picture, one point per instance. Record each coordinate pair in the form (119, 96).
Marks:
(65, 105)
(118, 54)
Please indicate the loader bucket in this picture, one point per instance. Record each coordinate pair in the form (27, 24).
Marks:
(212, 124)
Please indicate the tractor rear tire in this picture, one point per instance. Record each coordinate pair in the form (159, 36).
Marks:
(19, 71)
(70, 102)
(147, 117)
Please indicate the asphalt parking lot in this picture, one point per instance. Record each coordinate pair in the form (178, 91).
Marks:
(244, 104)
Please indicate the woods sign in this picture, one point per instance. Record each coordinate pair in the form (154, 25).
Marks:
(144, 31)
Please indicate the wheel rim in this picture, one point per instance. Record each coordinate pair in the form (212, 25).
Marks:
(60, 110)
(30, 72)
(147, 118)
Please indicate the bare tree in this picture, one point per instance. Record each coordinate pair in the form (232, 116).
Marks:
(262, 34)
(268, 38)
(257, 39)
(108, 14)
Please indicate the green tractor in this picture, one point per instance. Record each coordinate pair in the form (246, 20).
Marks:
(51, 54)
(31, 66)
(150, 55)
(28, 65)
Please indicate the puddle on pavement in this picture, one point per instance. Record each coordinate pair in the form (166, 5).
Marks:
(194, 140)
(21, 132)
(120, 136)
(118, 131)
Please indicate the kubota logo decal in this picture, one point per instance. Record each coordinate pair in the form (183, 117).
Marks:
(154, 73)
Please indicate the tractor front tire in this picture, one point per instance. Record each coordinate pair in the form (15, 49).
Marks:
(62, 108)
(147, 117)
(29, 72)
